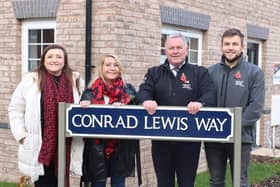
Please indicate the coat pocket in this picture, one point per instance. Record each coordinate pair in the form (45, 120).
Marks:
(28, 152)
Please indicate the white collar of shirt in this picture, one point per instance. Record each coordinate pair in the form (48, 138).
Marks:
(106, 99)
(173, 68)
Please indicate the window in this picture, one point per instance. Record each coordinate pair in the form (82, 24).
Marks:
(254, 52)
(36, 36)
(193, 38)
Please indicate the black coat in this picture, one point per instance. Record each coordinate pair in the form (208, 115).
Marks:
(127, 152)
(167, 90)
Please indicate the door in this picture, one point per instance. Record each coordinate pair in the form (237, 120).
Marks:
(254, 49)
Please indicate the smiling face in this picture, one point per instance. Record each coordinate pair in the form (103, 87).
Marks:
(54, 61)
(110, 69)
(176, 51)
(232, 48)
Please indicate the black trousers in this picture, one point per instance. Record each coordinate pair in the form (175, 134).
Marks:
(47, 180)
(175, 158)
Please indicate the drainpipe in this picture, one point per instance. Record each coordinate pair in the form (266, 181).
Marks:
(88, 65)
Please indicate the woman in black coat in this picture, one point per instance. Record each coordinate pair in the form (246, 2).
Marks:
(113, 158)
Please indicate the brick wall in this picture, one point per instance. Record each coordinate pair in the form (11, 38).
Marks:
(131, 29)
(70, 31)
(8, 156)
(10, 73)
(10, 41)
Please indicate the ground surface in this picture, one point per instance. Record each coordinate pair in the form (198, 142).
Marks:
(273, 181)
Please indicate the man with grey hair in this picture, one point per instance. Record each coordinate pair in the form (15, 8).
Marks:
(176, 83)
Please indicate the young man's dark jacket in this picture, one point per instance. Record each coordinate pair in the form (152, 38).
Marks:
(94, 161)
(192, 83)
(241, 86)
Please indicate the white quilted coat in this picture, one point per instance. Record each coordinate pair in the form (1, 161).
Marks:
(25, 121)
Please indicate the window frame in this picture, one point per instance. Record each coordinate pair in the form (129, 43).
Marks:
(33, 24)
(191, 33)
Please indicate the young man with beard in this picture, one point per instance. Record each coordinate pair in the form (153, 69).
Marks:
(239, 84)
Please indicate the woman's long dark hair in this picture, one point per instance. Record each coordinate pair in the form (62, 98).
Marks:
(41, 69)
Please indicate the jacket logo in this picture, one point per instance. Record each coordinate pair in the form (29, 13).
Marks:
(237, 75)
(238, 81)
(184, 79)
(186, 83)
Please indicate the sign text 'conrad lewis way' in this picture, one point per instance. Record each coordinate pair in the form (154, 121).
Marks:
(168, 123)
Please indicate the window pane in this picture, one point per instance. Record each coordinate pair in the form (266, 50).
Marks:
(163, 39)
(193, 57)
(44, 47)
(194, 43)
(32, 64)
(162, 49)
(34, 51)
(48, 36)
(34, 36)
(188, 41)
(253, 52)
(162, 59)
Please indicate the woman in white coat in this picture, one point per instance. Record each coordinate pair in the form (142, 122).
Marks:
(33, 115)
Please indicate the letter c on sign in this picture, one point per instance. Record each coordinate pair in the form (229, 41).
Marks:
(74, 120)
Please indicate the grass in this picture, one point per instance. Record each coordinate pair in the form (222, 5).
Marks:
(2, 184)
(257, 172)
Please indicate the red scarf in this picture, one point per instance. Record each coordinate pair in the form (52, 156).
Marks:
(54, 92)
(116, 93)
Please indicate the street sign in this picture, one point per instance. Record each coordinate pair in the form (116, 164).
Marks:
(133, 122)
(168, 123)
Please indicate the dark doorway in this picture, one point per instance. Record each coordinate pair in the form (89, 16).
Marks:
(253, 52)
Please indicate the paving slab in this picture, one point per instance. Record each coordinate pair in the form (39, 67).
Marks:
(275, 153)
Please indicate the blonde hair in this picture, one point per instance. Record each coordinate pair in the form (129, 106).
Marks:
(99, 66)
